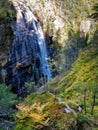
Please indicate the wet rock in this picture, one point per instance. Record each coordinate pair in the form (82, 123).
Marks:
(27, 61)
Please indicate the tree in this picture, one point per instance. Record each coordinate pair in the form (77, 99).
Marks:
(82, 87)
(6, 13)
(95, 13)
(7, 105)
(94, 89)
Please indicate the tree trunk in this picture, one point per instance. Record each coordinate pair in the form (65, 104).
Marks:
(93, 103)
(85, 101)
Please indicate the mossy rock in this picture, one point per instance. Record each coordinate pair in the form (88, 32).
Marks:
(43, 111)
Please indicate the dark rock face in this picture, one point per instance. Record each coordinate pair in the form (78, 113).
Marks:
(6, 38)
(28, 56)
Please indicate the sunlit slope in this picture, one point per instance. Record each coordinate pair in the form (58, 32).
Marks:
(85, 69)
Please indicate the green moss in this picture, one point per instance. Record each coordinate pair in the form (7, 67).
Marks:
(6, 13)
(43, 111)
(79, 86)
(81, 81)
(84, 69)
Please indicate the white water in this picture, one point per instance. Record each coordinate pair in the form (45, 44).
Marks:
(29, 23)
(44, 57)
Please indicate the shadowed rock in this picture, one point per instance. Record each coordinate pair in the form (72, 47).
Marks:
(28, 55)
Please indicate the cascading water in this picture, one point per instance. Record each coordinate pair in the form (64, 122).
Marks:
(28, 57)
(44, 58)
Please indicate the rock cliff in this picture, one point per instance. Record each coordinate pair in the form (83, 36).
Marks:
(66, 25)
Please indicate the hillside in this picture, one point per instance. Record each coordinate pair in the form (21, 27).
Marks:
(49, 65)
(78, 89)
(81, 81)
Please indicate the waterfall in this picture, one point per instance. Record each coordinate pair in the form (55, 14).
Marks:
(41, 42)
(44, 58)
(28, 58)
